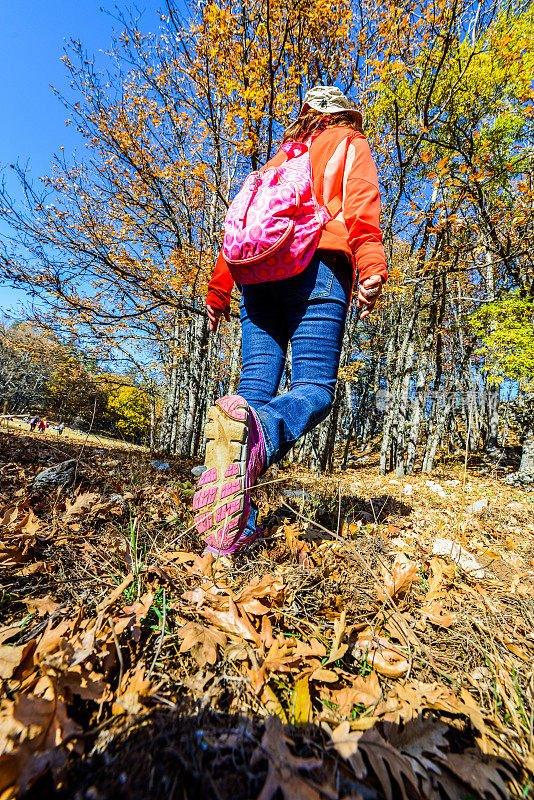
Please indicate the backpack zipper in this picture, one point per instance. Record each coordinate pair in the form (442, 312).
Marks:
(257, 181)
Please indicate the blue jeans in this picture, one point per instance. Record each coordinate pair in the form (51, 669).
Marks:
(309, 311)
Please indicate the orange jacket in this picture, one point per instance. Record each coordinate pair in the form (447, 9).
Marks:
(342, 166)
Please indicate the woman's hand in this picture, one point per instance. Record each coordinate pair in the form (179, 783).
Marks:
(214, 314)
(368, 293)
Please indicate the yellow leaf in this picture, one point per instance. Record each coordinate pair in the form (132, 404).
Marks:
(301, 709)
(272, 704)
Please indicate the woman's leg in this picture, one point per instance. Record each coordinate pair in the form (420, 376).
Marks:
(315, 306)
(235, 453)
(264, 340)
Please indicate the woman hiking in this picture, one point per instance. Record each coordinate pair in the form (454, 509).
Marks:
(294, 236)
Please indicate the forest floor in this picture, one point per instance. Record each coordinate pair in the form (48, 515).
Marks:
(378, 643)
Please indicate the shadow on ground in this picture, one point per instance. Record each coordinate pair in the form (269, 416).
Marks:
(181, 755)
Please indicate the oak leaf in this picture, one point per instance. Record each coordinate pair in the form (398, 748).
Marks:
(52, 638)
(41, 605)
(284, 769)
(81, 506)
(324, 675)
(84, 682)
(338, 649)
(269, 588)
(418, 740)
(364, 691)
(31, 728)
(278, 659)
(202, 642)
(346, 742)
(272, 704)
(131, 616)
(232, 621)
(12, 657)
(439, 570)
(387, 762)
(435, 612)
(312, 649)
(399, 579)
(116, 593)
(133, 689)
(482, 776)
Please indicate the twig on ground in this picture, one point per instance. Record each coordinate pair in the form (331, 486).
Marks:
(119, 651)
(160, 642)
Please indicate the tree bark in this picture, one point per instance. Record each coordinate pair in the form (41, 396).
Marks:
(526, 467)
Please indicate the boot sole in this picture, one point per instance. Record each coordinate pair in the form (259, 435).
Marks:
(220, 498)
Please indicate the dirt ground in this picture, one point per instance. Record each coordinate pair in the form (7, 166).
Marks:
(376, 643)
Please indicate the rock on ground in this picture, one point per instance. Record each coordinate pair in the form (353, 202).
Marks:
(453, 550)
(477, 507)
(520, 479)
(57, 476)
(161, 465)
(295, 494)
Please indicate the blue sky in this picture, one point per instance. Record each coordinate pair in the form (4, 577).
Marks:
(32, 120)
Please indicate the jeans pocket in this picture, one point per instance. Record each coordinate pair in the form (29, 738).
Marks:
(314, 282)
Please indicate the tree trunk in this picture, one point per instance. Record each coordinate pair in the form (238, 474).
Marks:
(437, 435)
(493, 398)
(167, 433)
(196, 355)
(526, 467)
(234, 369)
(418, 403)
(394, 425)
(152, 436)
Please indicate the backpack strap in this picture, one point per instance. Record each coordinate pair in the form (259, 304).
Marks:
(334, 206)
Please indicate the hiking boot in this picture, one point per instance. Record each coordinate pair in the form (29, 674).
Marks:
(251, 534)
(235, 456)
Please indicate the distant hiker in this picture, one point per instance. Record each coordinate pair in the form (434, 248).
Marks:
(43, 425)
(60, 428)
(292, 241)
(33, 423)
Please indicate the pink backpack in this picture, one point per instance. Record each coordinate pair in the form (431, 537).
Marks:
(274, 223)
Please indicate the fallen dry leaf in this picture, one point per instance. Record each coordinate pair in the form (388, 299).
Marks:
(436, 613)
(41, 606)
(338, 649)
(202, 642)
(12, 657)
(346, 741)
(284, 768)
(134, 688)
(31, 729)
(387, 762)
(272, 704)
(399, 579)
(130, 617)
(300, 710)
(81, 506)
(116, 593)
(440, 571)
(232, 621)
(364, 691)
